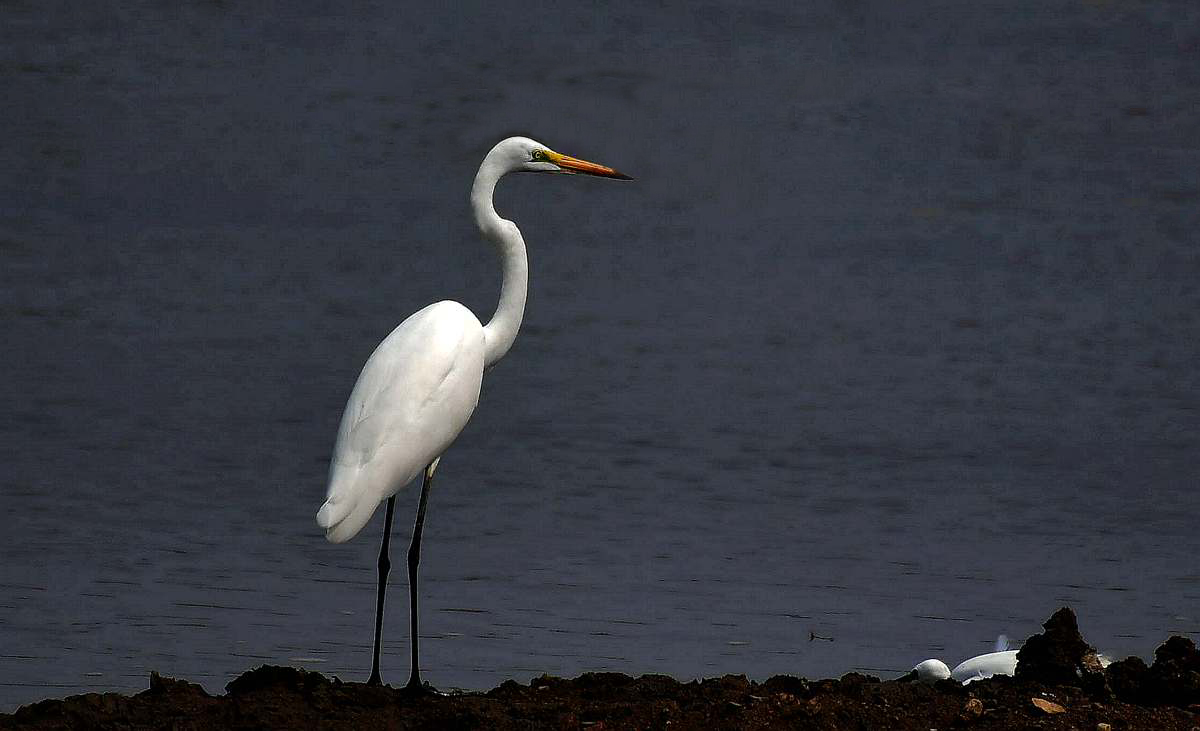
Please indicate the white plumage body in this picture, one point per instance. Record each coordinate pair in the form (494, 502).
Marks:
(1003, 662)
(415, 394)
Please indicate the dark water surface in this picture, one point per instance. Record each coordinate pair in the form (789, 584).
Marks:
(895, 339)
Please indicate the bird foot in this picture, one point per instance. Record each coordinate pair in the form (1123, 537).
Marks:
(417, 689)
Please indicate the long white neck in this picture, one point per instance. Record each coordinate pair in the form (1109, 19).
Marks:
(501, 330)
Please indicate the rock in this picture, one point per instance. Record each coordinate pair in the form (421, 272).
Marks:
(1055, 656)
(160, 685)
(973, 709)
(1093, 663)
(1175, 674)
(1127, 678)
(512, 687)
(271, 676)
(787, 684)
(1104, 727)
(545, 681)
(1173, 679)
(1048, 706)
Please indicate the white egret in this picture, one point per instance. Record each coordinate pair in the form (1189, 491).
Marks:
(420, 386)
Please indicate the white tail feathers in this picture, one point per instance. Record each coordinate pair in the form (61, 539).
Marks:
(334, 511)
(342, 520)
(348, 507)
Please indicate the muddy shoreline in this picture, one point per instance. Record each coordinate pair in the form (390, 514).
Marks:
(1057, 686)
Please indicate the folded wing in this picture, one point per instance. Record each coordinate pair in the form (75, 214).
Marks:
(415, 394)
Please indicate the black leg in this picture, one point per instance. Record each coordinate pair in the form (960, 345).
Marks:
(385, 566)
(414, 559)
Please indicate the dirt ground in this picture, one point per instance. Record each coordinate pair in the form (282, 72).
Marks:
(1058, 685)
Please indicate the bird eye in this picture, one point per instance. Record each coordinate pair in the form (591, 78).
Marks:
(538, 155)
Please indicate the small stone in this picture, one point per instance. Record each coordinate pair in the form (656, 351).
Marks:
(1103, 726)
(1092, 663)
(973, 709)
(1048, 706)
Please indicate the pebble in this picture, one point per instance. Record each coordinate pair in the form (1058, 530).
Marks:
(1048, 706)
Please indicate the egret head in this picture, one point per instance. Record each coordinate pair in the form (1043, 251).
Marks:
(526, 155)
(929, 671)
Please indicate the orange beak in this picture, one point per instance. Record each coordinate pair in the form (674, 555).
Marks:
(575, 165)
